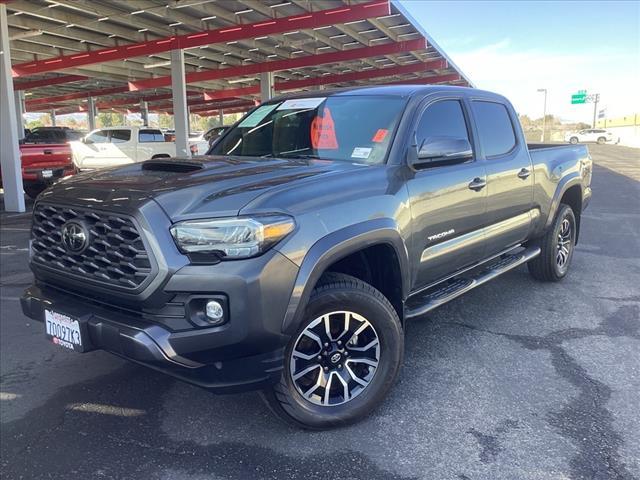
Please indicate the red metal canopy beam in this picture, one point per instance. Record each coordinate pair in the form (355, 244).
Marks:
(330, 79)
(308, 60)
(45, 82)
(451, 77)
(73, 96)
(199, 102)
(307, 20)
(276, 65)
(138, 98)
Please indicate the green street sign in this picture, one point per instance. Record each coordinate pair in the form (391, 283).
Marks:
(580, 97)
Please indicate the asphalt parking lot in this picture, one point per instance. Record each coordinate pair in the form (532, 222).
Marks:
(516, 380)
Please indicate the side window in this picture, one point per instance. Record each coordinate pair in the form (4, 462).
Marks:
(442, 119)
(150, 136)
(494, 128)
(120, 136)
(101, 136)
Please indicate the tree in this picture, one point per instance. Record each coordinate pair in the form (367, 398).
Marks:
(110, 119)
(165, 120)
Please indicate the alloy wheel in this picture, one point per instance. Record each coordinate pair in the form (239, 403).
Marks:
(335, 358)
(564, 244)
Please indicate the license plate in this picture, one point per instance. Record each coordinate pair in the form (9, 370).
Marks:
(47, 173)
(63, 330)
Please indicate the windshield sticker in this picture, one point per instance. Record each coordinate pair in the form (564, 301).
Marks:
(256, 117)
(323, 132)
(380, 135)
(361, 152)
(301, 103)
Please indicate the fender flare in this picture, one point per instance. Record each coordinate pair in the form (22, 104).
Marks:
(563, 185)
(332, 248)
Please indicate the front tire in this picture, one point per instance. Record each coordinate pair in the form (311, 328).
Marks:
(602, 140)
(556, 247)
(573, 140)
(343, 359)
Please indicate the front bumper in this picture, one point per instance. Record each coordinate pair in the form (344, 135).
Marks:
(245, 353)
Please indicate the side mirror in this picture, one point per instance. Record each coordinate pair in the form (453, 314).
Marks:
(443, 150)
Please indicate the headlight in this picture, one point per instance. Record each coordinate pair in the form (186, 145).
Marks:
(239, 237)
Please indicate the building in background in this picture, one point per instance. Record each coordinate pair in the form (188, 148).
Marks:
(627, 128)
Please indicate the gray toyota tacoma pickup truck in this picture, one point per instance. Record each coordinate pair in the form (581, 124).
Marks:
(290, 257)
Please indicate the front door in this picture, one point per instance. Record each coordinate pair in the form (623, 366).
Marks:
(509, 176)
(448, 202)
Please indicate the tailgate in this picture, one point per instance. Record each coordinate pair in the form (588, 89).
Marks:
(39, 156)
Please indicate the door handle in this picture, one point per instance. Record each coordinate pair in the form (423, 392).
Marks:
(524, 173)
(477, 184)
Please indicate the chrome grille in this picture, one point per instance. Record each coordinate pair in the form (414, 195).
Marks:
(115, 253)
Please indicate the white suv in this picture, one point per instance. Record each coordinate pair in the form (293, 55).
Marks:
(591, 135)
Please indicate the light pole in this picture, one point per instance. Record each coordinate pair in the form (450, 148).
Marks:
(544, 113)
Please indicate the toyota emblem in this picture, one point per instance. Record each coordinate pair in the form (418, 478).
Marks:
(74, 237)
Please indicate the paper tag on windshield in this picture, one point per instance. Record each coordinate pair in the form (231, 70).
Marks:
(361, 152)
(257, 116)
(301, 103)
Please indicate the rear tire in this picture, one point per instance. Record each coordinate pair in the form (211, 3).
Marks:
(358, 370)
(573, 140)
(33, 189)
(556, 247)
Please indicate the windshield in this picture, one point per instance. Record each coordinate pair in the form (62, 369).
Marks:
(346, 128)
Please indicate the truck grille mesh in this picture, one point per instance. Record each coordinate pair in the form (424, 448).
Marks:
(115, 253)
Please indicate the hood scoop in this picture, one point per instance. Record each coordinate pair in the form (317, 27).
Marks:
(168, 165)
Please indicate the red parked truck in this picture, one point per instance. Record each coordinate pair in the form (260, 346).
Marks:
(46, 156)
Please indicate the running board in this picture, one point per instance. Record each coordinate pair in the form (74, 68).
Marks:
(453, 288)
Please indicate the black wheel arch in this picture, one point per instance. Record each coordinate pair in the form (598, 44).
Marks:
(339, 250)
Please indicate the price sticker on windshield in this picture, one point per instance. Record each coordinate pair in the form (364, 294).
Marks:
(323, 132)
(380, 135)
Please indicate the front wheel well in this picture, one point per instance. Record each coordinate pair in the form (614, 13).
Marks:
(573, 198)
(377, 265)
(160, 155)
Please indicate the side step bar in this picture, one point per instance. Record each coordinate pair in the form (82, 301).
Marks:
(453, 288)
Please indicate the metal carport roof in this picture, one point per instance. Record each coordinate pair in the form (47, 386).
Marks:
(64, 51)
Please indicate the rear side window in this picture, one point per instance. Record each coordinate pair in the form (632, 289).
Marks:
(150, 136)
(120, 136)
(442, 119)
(494, 128)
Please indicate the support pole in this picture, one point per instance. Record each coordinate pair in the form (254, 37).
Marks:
(544, 116)
(53, 117)
(9, 151)
(220, 117)
(180, 113)
(20, 113)
(266, 86)
(91, 113)
(144, 112)
(595, 108)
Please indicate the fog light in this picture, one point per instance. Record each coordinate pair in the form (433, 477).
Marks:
(214, 312)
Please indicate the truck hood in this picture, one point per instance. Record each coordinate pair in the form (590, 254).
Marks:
(190, 187)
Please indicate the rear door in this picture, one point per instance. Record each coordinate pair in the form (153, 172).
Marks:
(509, 175)
(152, 142)
(448, 202)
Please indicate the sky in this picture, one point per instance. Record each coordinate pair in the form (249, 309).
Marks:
(515, 48)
